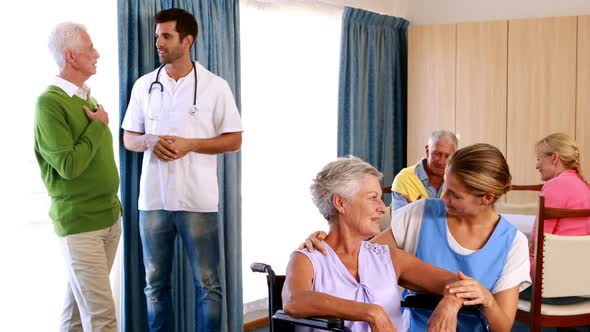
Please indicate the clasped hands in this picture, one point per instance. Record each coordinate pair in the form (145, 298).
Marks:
(168, 147)
(465, 291)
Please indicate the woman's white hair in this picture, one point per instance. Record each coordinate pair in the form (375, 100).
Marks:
(342, 177)
(65, 35)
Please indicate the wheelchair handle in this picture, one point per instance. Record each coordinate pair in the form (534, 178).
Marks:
(259, 267)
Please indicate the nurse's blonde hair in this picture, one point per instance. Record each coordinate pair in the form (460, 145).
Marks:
(482, 169)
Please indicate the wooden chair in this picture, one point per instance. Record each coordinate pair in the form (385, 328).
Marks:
(527, 187)
(561, 269)
(521, 215)
(519, 208)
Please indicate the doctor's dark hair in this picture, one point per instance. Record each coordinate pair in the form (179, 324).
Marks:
(343, 177)
(185, 21)
(482, 169)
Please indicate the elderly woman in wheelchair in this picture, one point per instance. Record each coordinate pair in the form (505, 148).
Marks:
(463, 232)
(358, 280)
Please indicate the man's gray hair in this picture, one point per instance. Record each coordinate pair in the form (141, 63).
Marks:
(342, 177)
(65, 35)
(443, 136)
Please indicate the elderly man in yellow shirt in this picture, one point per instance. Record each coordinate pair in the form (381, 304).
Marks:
(425, 179)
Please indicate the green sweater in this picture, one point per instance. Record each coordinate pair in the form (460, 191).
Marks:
(77, 164)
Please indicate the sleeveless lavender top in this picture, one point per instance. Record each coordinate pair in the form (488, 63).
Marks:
(378, 281)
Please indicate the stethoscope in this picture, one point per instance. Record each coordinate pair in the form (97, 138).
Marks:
(193, 111)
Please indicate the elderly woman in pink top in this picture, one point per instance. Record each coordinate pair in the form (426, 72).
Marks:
(358, 280)
(558, 162)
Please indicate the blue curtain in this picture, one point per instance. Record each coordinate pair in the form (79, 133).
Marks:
(217, 48)
(372, 90)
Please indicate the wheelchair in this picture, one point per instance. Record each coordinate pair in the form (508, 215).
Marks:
(282, 322)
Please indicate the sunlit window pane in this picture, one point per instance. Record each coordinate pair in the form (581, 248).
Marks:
(33, 270)
(290, 58)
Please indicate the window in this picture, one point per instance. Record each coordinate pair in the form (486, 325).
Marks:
(290, 62)
(34, 274)
(290, 57)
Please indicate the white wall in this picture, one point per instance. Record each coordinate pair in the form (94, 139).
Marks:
(399, 8)
(455, 11)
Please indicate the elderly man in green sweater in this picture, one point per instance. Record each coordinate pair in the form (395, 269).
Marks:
(74, 149)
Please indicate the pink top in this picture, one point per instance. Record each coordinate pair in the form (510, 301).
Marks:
(566, 191)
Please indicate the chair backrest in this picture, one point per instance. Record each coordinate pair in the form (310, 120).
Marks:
(275, 299)
(275, 287)
(563, 272)
(282, 322)
(558, 269)
(526, 187)
(523, 194)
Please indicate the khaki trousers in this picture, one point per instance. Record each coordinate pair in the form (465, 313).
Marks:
(89, 304)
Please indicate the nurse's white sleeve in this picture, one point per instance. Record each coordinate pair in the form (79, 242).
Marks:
(405, 225)
(517, 268)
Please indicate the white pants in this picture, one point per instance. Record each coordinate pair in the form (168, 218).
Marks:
(89, 304)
